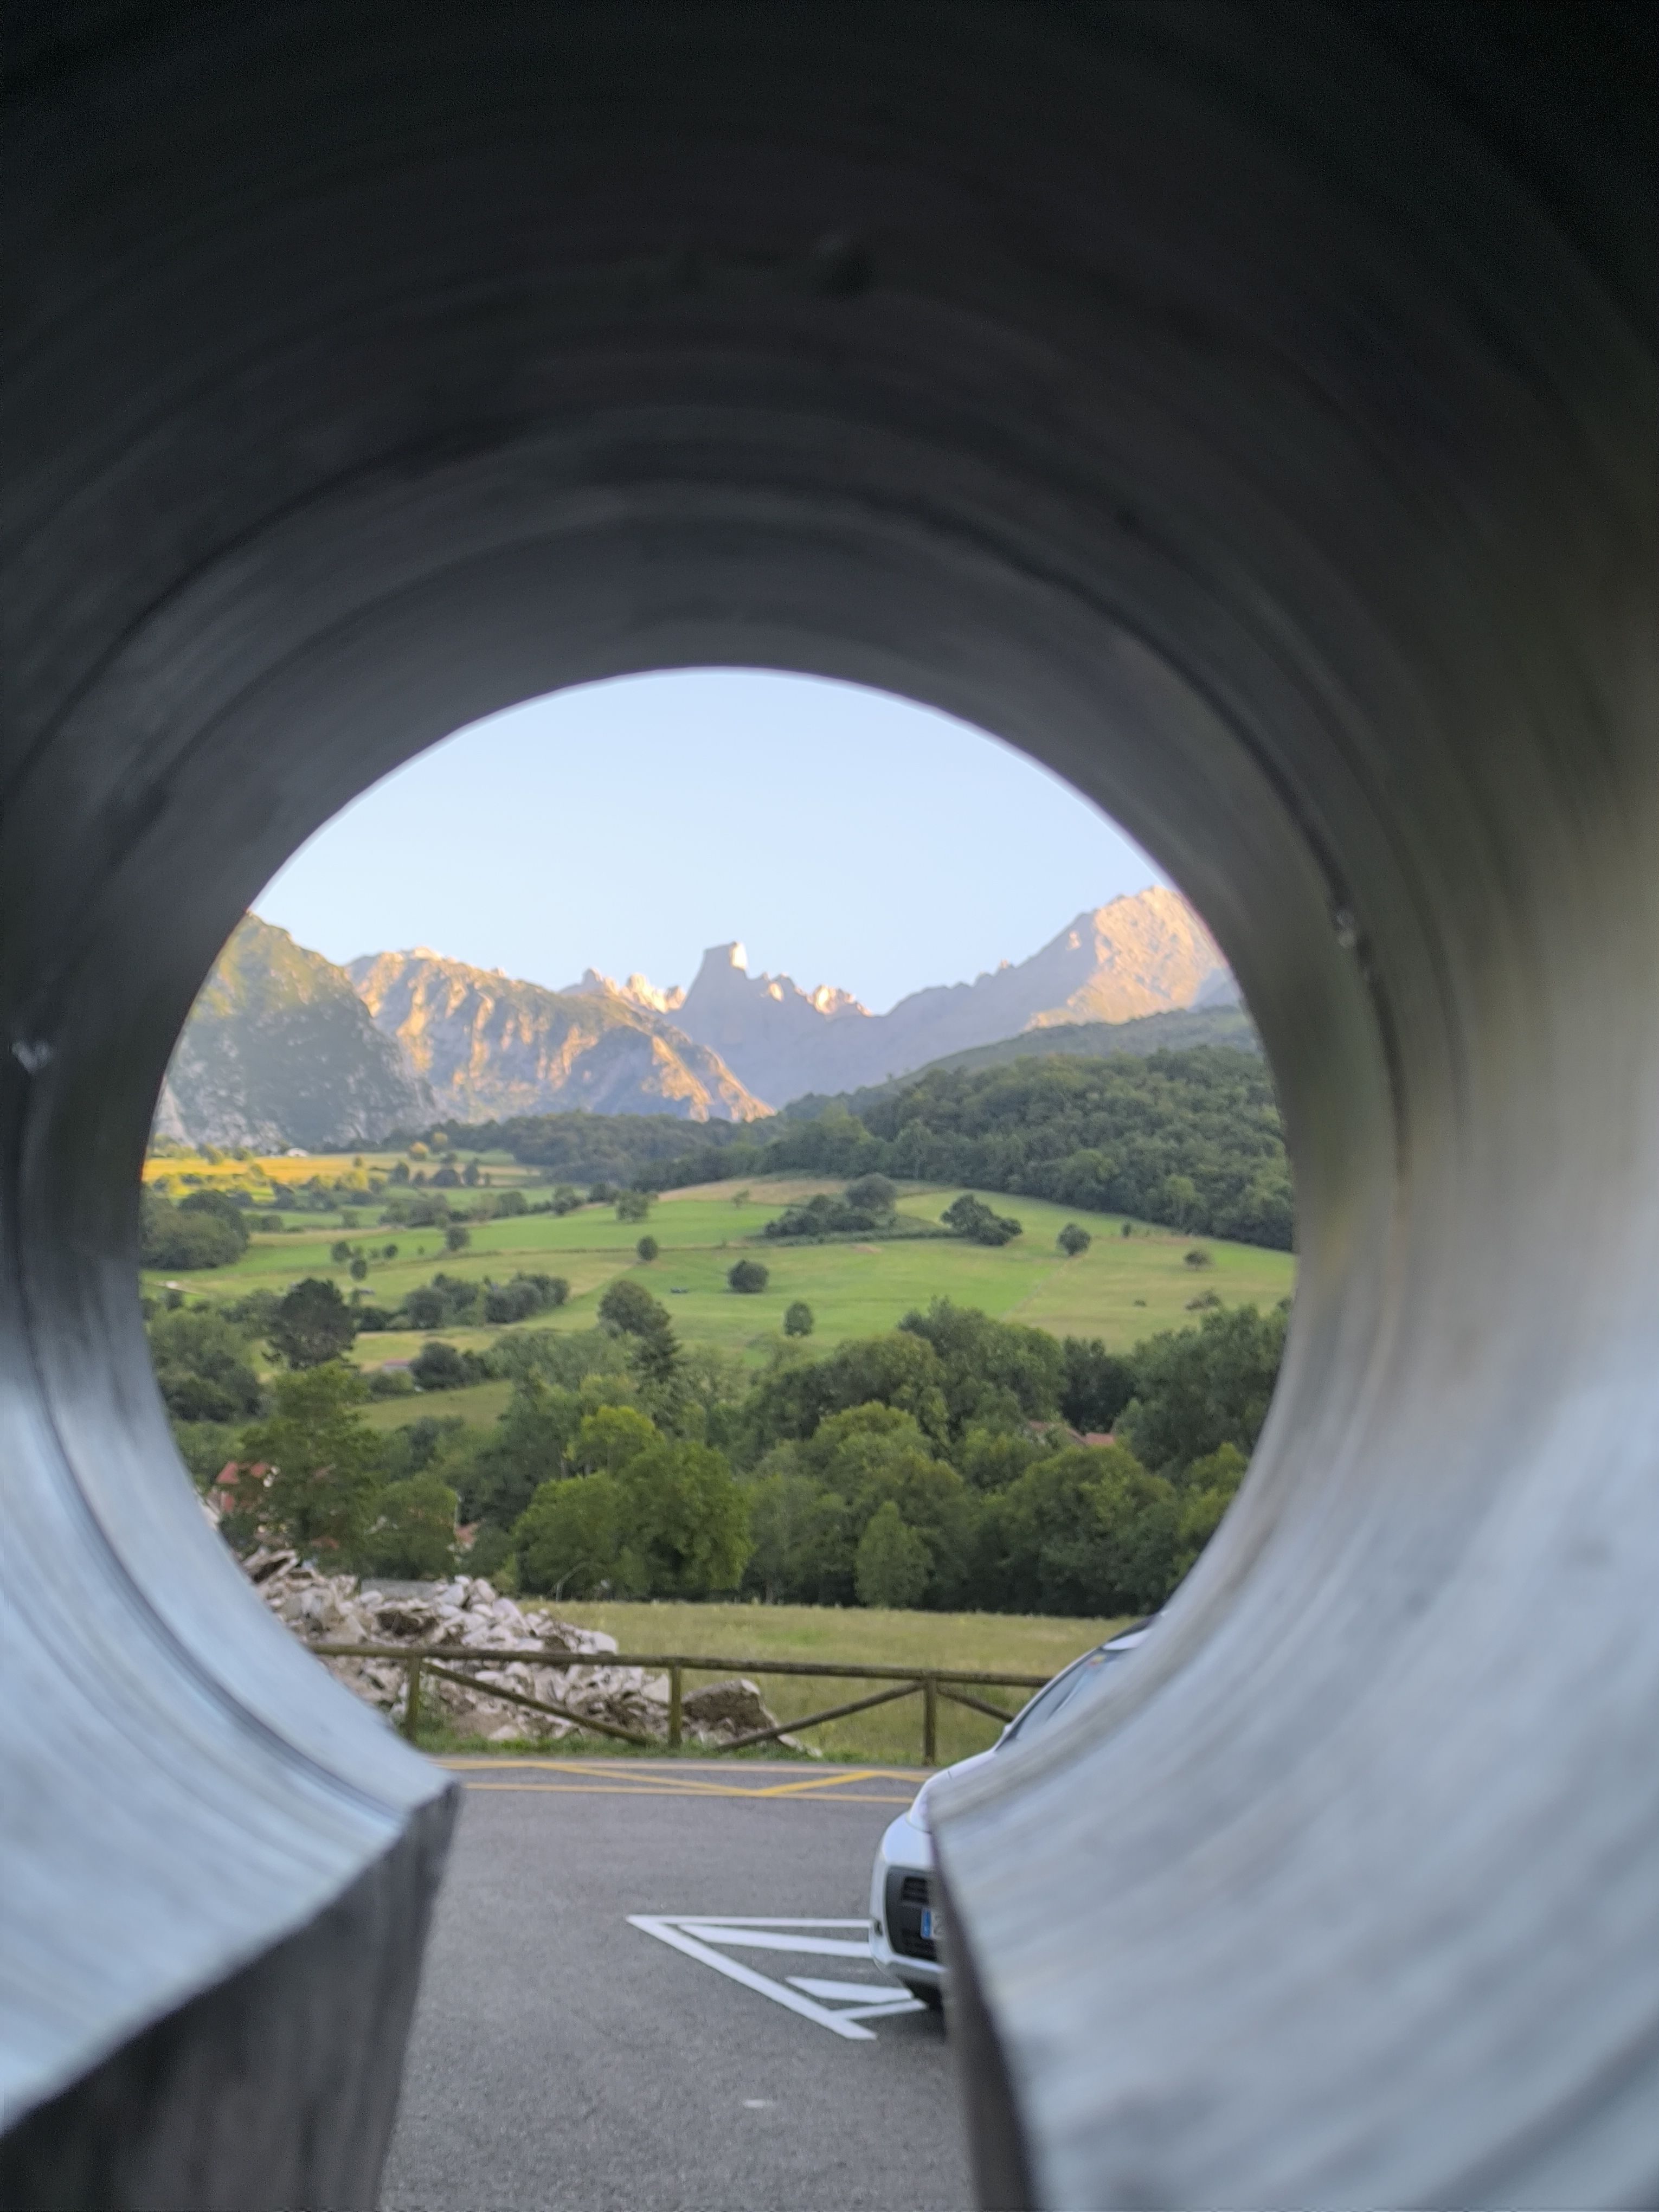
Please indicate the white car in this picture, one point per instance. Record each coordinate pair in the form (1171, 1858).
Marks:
(905, 1920)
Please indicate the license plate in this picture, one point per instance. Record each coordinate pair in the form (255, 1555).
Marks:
(932, 1925)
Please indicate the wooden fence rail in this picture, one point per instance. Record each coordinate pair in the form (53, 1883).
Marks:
(930, 1684)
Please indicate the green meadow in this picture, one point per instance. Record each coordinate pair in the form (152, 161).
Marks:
(1125, 1287)
(1026, 1644)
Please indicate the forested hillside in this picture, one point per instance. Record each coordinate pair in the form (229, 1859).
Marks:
(1189, 1140)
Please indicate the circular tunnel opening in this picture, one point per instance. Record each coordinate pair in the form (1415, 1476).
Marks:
(406, 1111)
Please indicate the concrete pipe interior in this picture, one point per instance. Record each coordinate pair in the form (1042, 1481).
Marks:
(1250, 415)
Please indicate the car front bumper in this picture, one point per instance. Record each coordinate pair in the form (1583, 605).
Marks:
(902, 1889)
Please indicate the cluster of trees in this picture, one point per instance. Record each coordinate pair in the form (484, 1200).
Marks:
(407, 1207)
(937, 1465)
(865, 1208)
(1189, 1139)
(971, 1217)
(588, 1148)
(451, 1302)
(205, 1229)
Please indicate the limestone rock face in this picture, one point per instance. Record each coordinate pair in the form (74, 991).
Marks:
(488, 1047)
(1145, 954)
(735, 1704)
(467, 1614)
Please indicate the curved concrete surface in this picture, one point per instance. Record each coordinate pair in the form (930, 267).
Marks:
(1250, 413)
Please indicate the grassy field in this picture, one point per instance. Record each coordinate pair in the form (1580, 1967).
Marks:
(1123, 1288)
(892, 1734)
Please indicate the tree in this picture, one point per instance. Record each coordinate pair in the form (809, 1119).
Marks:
(647, 1248)
(634, 1205)
(1073, 1241)
(211, 1233)
(1206, 1490)
(457, 1237)
(1097, 1385)
(412, 1535)
(1084, 1532)
(894, 1563)
(569, 1537)
(871, 1193)
(529, 1445)
(325, 1463)
(1198, 1257)
(515, 1301)
(994, 1371)
(798, 1319)
(609, 1438)
(971, 1217)
(670, 1523)
(202, 1366)
(439, 1366)
(339, 1252)
(1197, 1389)
(900, 1369)
(312, 1324)
(629, 1308)
(359, 1269)
(992, 1459)
(1180, 1204)
(687, 1519)
(748, 1278)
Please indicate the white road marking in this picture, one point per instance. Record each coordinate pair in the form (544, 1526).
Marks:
(763, 1939)
(697, 1934)
(858, 1993)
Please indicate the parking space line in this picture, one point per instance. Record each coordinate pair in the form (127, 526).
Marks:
(797, 2001)
(769, 1939)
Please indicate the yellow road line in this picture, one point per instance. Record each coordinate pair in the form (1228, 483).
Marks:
(690, 1781)
(649, 1789)
(658, 1782)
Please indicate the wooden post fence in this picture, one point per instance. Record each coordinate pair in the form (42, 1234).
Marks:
(930, 1684)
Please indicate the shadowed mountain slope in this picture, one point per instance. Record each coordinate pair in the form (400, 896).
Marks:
(279, 1050)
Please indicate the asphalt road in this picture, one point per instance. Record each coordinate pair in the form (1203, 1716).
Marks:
(563, 2058)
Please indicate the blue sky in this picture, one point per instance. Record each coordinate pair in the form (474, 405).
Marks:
(844, 836)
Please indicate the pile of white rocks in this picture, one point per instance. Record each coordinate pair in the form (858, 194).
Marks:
(468, 1615)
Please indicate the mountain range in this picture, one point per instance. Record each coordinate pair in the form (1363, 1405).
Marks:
(283, 1047)
(488, 1047)
(1145, 954)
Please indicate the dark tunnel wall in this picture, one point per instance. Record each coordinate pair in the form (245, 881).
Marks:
(1250, 413)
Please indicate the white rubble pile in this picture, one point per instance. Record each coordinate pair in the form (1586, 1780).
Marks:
(467, 1614)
